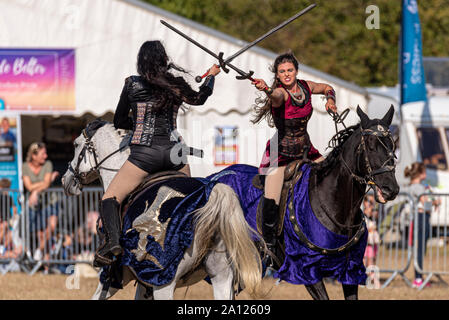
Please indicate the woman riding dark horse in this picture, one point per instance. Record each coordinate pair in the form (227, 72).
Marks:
(323, 228)
(289, 106)
(154, 98)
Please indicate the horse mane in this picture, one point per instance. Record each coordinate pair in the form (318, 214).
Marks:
(324, 167)
(98, 123)
(93, 126)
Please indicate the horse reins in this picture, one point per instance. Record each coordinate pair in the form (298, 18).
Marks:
(368, 179)
(85, 178)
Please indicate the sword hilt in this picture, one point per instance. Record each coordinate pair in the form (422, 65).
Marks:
(248, 76)
(199, 78)
(222, 63)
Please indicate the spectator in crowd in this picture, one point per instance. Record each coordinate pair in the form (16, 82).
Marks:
(7, 138)
(417, 174)
(38, 175)
(87, 233)
(369, 258)
(8, 219)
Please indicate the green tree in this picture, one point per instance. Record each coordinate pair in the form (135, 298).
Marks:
(332, 37)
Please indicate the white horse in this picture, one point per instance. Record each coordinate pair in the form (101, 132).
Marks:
(222, 247)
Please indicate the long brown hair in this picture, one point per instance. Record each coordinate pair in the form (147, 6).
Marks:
(414, 170)
(262, 108)
(153, 65)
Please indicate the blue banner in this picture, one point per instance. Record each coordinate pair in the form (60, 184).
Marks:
(413, 82)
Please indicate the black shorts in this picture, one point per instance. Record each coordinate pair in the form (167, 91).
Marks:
(157, 157)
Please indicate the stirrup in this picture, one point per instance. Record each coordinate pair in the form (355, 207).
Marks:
(271, 260)
(100, 261)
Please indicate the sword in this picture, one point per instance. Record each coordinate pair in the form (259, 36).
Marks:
(266, 35)
(219, 57)
(226, 63)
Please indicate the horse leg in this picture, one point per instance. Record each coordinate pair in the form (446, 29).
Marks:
(317, 291)
(143, 293)
(104, 292)
(350, 291)
(165, 292)
(221, 273)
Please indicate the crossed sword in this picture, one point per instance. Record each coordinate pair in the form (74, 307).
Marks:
(225, 63)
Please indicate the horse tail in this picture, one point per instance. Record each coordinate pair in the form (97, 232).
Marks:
(224, 214)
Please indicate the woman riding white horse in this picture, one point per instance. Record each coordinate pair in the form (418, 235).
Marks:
(154, 98)
(222, 246)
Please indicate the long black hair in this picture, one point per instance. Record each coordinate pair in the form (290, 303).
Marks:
(262, 107)
(153, 64)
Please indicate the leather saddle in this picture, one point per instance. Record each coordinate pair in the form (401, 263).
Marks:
(150, 181)
(292, 174)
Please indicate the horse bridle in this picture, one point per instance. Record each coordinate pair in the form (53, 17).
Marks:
(84, 178)
(368, 179)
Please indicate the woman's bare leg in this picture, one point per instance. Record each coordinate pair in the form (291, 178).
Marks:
(273, 183)
(125, 181)
(186, 170)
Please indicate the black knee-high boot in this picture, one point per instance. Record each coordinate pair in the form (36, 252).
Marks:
(270, 221)
(110, 217)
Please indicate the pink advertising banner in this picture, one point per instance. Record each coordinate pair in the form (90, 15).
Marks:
(37, 79)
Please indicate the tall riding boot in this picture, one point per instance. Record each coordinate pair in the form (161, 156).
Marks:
(110, 218)
(270, 221)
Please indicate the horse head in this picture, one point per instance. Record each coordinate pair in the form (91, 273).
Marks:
(377, 162)
(98, 143)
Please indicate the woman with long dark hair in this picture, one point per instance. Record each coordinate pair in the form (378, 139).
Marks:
(154, 98)
(288, 107)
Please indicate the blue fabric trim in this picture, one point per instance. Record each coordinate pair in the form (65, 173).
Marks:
(176, 214)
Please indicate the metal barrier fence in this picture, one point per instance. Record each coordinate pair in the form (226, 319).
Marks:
(390, 238)
(431, 231)
(409, 232)
(11, 242)
(60, 231)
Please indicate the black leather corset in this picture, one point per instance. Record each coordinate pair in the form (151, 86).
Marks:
(148, 122)
(292, 135)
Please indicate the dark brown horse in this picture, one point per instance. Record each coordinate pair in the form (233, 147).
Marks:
(323, 227)
(364, 157)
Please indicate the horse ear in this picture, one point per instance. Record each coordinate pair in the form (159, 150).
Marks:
(388, 116)
(363, 117)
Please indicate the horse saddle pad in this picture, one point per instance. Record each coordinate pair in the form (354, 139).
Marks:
(158, 227)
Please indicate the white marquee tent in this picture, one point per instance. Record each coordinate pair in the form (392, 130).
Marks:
(107, 34)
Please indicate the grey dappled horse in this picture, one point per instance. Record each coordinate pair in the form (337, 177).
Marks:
(222, 243)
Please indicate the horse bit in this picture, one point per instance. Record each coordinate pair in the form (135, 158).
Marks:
(380, 131)
(84, 178)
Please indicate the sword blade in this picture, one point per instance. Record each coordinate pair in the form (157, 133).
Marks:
(189, 39)
(199, 45)
(282, 25)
